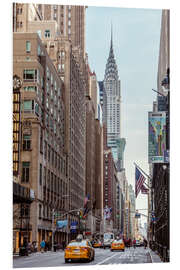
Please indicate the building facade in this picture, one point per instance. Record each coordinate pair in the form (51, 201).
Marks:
(159, 221)
(43, 166)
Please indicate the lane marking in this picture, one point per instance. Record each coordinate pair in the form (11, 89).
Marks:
(106, 259)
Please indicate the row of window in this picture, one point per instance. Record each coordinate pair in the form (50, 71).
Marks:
(50, 179)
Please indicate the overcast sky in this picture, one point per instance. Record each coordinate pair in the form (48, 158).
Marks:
(136, 38)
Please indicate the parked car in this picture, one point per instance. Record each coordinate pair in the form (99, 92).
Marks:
(118, 244)
(79, 250)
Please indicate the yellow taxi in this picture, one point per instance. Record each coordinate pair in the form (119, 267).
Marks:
(117, 244)
(81, 249)
(97, 244)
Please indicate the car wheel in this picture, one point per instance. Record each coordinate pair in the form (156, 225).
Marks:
(66, 260)
(112, 250)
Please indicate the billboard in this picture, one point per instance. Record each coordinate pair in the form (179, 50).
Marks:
(157, 137)
(61, 224)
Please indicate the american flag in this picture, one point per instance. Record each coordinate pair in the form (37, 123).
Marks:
(86, 200)
(139, 178)
(144, 190)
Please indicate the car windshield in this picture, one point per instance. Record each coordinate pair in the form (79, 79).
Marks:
(108, 236)
(120, 241)
(80, 244)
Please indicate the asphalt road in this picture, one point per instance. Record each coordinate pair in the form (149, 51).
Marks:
(102, 257)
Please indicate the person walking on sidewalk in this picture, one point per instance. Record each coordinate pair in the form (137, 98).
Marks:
(145, 243)
(42, 245)
(134, 243)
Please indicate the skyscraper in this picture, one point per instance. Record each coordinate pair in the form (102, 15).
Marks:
(111, 102)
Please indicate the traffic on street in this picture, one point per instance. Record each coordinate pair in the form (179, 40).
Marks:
(102, 257)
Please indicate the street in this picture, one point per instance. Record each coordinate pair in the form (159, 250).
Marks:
(102, 257)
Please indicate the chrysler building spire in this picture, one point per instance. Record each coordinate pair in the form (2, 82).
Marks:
(111, 72)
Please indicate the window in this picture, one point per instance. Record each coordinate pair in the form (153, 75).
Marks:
(40, 209)
(39, 50)
(40, 174)
(25, 210)
(28, 46)
(47, 33)
(25, 172)
(45, 149)
(30, 88)
(30, 75)
(28, 105)
(44, 176)
(26, 142)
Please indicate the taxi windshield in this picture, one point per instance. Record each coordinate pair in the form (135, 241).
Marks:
(80, 244)
(120, 241)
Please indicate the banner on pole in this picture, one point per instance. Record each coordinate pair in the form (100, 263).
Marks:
(157, 136)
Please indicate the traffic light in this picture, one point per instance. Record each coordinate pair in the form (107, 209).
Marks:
(55, 221)
(80, 214)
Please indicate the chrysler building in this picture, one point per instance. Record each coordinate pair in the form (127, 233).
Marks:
(112, 102)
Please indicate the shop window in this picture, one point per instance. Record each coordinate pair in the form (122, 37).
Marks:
(25, 172)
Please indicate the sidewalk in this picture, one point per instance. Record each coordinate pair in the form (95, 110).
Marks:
(16, 255)
(154, 256)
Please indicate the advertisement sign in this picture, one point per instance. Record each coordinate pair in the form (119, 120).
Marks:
(157, 137)
(60, 224)
(73, 227)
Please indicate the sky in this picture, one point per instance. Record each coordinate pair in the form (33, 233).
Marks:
(136, 38)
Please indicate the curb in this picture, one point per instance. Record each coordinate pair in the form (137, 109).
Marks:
(158, 260)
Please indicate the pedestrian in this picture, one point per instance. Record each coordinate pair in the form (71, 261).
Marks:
(145, 243)
(134, 243)
(42, 245)
(63, 244)
(130, 242)
(55, 246)
(25, 245)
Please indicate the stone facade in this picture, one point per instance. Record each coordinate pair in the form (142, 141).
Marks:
(43, 166)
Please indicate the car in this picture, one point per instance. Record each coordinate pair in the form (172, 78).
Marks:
(117, 244)
(79, 250)
(97, 244)
(138, 244)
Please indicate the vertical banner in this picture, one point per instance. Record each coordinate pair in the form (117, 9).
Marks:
(157, 137)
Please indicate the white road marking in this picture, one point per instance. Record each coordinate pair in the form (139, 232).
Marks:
(106, 259)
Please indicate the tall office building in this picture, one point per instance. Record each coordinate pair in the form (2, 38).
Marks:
(112, 102)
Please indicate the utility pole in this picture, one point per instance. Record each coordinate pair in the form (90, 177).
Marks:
(52, 248)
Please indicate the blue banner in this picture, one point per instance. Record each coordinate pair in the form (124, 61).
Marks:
(73, 227)
(61, 224)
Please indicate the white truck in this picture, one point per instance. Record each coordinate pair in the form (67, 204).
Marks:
(107, 239)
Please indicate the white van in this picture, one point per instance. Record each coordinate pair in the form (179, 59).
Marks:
(107, 239)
